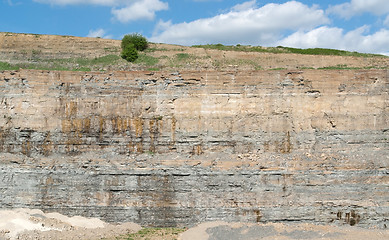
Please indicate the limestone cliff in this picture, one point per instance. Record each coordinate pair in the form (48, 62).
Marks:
(178, 148)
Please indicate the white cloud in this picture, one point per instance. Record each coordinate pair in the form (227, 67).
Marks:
(319, 37)
(207, 0)
(162, 26)
(244, 6)
(327, 37)
(13, 3)
(86, 2)
(355, 7)
(386, 21)
(98, 33)
(139, 10)
(256, 26)
(123, 10)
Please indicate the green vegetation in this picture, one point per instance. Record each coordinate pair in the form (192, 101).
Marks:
(277, 69)
(112, 50)
(154, 49)
(338, 67)
(281, 49)
(182, 56)
(129, 53)
(325, 51)
(7, 66)
(180, 60)
(140, 42)
(240, 48)
(153, 69)
(131, 44)
(150, 233)
(146, 60)
(68, 64)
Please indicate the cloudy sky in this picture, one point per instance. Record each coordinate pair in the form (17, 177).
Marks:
(355, 25)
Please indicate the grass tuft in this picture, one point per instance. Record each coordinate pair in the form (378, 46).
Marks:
(182, 56)
(153, 233)
(7, 66)
(146, 60)
(281, 49)
(68, 64)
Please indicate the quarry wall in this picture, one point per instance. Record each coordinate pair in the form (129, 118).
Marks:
(179, 148)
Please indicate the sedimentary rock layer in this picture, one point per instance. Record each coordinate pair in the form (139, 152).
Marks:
(180, 148)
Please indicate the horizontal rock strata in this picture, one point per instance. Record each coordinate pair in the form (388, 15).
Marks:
(178, 148)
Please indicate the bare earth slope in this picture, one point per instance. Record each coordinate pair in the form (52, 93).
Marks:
(18, 46)
(39, 49)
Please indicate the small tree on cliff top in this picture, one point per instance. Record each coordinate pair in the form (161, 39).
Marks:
(137, 39)
(129, 53)
(131, 43)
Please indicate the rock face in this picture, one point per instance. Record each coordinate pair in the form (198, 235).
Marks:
(176, 149)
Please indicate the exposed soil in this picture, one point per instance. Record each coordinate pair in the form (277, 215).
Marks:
(278, 231)
(34, 224)
(40, 49)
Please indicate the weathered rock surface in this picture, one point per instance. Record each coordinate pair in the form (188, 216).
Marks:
(174, 149)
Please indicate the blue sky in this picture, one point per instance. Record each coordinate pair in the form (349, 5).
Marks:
(355, 25)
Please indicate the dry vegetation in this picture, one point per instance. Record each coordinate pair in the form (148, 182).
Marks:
(152, 234)
(48, 52)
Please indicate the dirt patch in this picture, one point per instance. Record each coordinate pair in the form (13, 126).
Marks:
(278, 231)
(35, 224)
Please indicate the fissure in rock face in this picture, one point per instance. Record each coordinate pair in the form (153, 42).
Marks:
(176, 149)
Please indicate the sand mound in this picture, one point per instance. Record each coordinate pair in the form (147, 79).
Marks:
(35, 224)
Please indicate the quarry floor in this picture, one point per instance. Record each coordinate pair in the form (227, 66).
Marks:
(35, 224)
